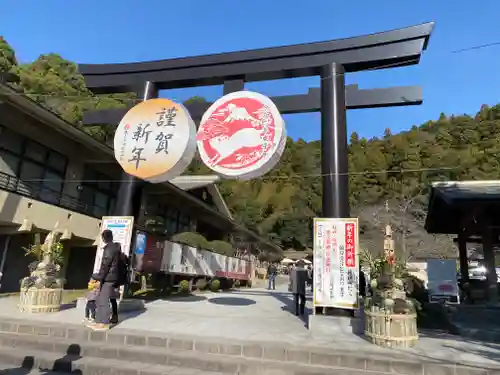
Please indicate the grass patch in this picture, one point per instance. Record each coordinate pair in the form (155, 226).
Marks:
(70, 296)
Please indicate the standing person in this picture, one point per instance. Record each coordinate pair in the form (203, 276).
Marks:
(271, 275)
(124, 268)
(90, 307)
(298, 279)
(290, 270)
(109, 276)
(362, 283)
(114, 306)
(311, 277)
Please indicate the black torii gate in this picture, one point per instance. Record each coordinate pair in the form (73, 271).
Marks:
(330, 60)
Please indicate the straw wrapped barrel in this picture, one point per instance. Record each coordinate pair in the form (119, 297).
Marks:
(390, 330)
(33, 300)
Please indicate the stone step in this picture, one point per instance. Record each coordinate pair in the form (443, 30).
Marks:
(218, 350)
(9, 369)
(53, 363)
(185, 359)
(250, 350)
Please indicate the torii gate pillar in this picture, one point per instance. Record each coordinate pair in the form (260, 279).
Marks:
(334, 159)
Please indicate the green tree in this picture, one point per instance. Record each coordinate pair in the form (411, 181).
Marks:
(8, 61)
(393, 167)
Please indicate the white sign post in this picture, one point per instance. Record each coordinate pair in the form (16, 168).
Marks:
(121, 227)
(336, 263)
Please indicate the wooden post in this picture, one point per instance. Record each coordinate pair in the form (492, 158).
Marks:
(389, 247)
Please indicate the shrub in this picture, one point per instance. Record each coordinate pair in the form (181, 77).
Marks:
(237, 284)
(215, 285)
(249, 283)
(184, 286)
(221, 247)
(201, 284)
(191, 239)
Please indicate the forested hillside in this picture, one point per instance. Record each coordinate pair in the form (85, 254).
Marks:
(396, 167)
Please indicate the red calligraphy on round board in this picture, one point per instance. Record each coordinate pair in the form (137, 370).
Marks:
(238, 134)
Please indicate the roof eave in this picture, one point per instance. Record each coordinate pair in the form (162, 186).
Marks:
(49, 118)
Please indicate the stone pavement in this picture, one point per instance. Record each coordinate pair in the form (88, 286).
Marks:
(261, 316)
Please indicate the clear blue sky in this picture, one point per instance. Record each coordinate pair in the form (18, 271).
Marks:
(100, 31)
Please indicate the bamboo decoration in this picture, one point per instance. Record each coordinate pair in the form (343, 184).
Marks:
(42, 290)
(390, 319)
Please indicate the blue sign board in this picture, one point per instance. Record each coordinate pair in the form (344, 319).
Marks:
(140, 243)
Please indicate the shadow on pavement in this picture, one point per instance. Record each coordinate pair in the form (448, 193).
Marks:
(65, 363)
(67, 306)
(152, 296)
(232, 301)
(26, 367)
(487, 350)
(286, 298)
(289, 305)
(187, 298)
(268, 292)
(61, 365)
(126, 315)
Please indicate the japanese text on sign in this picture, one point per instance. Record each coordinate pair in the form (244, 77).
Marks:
(336, 271)
(318, 257)
(350, 258)
(140, 134)
(155, 140)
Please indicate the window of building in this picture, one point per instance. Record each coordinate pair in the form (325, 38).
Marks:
(193, 225)
(52, 181)
(40, 170)
(57, 162)
(30, 176)
(184, 223)
(172, 218)
(36, 152)
(9, 163)
(175, 220)
(99, 192)
(12, 141)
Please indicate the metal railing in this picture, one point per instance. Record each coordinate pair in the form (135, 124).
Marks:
(39, 193)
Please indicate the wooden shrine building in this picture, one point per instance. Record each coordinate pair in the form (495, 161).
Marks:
(469, 210)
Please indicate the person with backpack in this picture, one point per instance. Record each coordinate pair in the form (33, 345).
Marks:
(112, 274)
(114, 306)
(123, 279)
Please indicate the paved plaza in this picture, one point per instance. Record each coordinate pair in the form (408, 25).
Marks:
(259, 315)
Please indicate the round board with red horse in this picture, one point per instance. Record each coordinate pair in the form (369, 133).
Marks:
(242, 135)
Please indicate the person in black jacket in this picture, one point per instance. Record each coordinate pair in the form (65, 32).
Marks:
(298, 279)
(362, 283)
(272, 271)
(108, 278)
